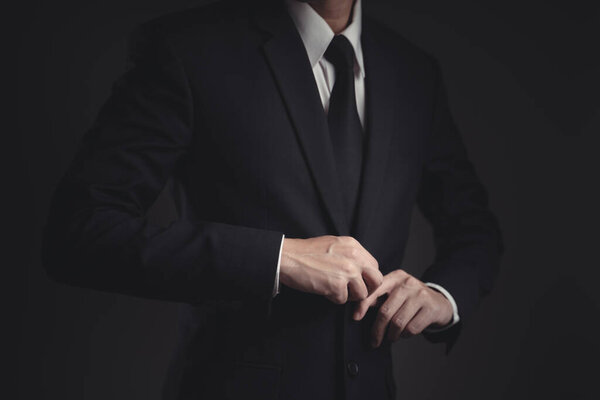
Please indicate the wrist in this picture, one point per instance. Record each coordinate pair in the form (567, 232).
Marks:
(447, 314)
(288, 261)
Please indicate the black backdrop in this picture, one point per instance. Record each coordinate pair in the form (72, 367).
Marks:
(523, 81)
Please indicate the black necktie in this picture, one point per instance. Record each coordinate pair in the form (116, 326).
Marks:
(344, 124)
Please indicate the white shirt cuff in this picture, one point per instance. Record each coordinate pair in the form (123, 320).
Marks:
(276, 286)
(455, 317)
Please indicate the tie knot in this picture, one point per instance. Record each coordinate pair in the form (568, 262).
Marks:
(340, 53)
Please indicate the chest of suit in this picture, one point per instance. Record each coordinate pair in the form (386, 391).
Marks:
(260, 139)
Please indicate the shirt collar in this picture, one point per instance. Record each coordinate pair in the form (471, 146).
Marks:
(316, 34)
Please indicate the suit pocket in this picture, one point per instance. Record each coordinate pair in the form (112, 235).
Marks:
(253, 381)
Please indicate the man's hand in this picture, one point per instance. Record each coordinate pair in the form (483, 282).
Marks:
(410, 307)
(337, 267)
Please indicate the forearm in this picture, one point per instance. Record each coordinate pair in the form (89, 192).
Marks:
(452, 197)
(190, 261)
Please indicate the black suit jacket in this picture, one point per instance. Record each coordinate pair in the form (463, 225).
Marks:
(222, 99)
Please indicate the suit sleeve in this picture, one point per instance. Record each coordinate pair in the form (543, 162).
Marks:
(451, 197)
(97, 234)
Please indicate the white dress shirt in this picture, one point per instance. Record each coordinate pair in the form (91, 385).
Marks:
(316, 35)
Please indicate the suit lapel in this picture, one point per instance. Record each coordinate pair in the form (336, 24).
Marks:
(285, 54)
(291, 69)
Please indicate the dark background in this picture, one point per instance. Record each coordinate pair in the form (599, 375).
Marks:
(524, 83)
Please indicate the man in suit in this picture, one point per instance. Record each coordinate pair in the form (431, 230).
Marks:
(299, 136)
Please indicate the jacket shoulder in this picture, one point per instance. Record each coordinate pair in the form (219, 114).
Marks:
(212, 20)
(397, 45)
(194, 19)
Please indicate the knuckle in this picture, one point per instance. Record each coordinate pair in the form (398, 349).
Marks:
(330, 239)
(339, 296)
(385, 312)
(337, 241)
(375, 264)
(337, 285)
(349, 268)
(347, 239)
(397, 322)
(412, 329)
(409, 281)
(341, 285)
(400, 272)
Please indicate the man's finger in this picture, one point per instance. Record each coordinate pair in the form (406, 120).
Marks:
(362, 307)
(371, 300)
(373, 278)
(372, 261)
(420, 321)
(402, 318)
(357, 290)
(385, 313)
(340, 295)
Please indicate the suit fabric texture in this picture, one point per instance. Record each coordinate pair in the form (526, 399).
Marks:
(222, 100)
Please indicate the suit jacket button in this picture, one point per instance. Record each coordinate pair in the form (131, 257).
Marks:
(352, 368)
